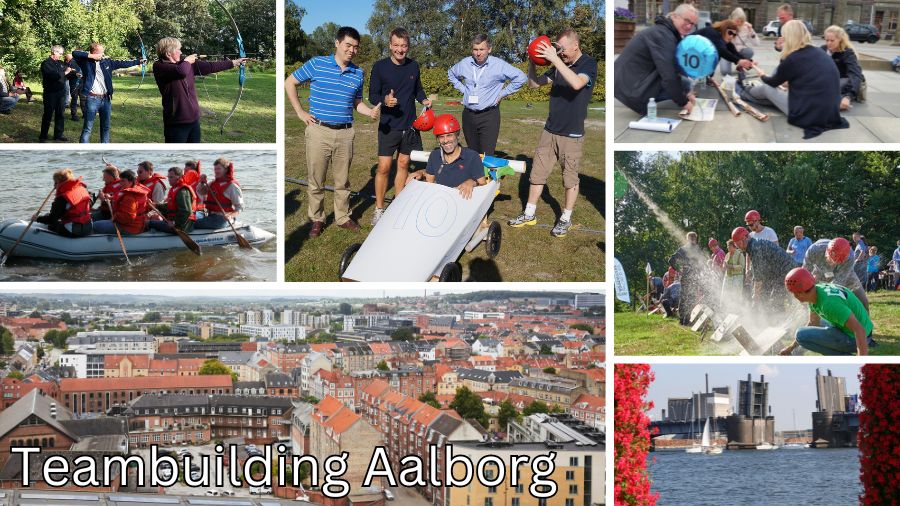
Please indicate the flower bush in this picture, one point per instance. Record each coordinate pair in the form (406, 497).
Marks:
(623, 14)
(632, 435)
(879, 439)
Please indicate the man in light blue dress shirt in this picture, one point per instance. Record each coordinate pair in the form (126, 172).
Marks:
(481, 79)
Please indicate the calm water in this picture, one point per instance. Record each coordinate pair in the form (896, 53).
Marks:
(26, 179)
(751, 477)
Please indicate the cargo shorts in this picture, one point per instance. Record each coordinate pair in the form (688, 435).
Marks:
(553, 148)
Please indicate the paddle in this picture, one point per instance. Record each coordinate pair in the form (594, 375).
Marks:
(112, 213)
(22, 235)
(186, 239)
(242, 242)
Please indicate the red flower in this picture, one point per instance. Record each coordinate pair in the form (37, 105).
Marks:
(879, 440)
(632, 435)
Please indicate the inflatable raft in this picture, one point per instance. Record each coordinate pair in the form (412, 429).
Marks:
(42, 243)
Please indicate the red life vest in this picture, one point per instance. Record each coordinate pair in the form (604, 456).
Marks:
(154, 180)
(113, 190)
(76, 195)
(131, 208)
(192, 179)
(172, 207)
(218, 188)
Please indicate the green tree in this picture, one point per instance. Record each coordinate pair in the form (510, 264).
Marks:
(15, 375)
(546, 350)
(469, 405)
(321, 41)
(215, 367)
(508, 413)
(403, 334)
(7, 341)
(311, 399)
(152, 317)
(431, 399)
(550, 370)
(536, 406)
(159, 330)
(582, 326)
(40, 352)
(66, 318)
(295, 39)
(35, 314)
(345, 309)
(383, 366)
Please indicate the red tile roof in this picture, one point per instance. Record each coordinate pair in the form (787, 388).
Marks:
(144, 383)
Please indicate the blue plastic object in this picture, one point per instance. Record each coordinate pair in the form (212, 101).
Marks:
(696, 56)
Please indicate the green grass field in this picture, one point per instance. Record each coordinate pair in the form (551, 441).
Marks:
(137, 113)
(526, 254)
(640, 334)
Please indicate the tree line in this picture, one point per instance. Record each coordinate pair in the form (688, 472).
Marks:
(829, 193)
(31, 27)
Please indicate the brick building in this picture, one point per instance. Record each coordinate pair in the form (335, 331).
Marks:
(97, 395)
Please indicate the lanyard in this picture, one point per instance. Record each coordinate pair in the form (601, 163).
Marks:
(476, 77)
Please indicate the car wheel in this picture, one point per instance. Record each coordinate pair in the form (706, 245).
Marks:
(873, 39)
(452, 272)
(346, 258)
(492, 241)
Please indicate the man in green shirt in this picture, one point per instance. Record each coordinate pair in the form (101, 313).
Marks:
(838, 322)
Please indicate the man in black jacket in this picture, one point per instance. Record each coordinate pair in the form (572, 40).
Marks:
(647, 69)
(53, 72)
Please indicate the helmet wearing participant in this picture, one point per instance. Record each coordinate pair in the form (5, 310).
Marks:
(712, 244)
(838, 251)
(740, 237)
(446, 129)
(753, 219)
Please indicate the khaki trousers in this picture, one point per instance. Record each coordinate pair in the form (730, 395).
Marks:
(324, 147)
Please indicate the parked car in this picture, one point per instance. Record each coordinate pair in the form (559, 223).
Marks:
(260, 490)
(388, 495)
(771, 29)
(862, 33)
(214, 493)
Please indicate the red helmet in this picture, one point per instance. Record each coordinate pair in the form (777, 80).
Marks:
(712, 243)
(425, 120)
(533, 50)
(799, 280)
(752, 215)
(445, 124)
(739, 234)
(838, 250)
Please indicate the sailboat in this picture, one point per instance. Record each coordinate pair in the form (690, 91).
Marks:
(765, 445)
(706, 446)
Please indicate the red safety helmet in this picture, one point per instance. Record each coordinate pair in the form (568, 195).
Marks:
(739, 234)
(752, 215)
(838, 250)
(445, 124)
(712, 243)
(533, 50)
(799, 280)
(425, 121)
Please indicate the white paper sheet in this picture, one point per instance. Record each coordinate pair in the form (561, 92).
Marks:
(655, 125)
(425, 227)
(704, 110)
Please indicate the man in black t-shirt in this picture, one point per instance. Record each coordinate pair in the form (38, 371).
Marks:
(397, 85)
(572, 77)
(53, 75)
(451, 164)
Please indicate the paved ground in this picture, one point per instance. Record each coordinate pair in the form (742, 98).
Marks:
(877, 120)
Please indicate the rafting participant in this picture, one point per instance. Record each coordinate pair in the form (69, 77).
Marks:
(451, 164)
(192, 175)
(181, 205)
(770, 265)
(831, 261)
(224, 198)
(111, 187)
(129, 208)
(838, 322)
(154, 182)
(70, 213)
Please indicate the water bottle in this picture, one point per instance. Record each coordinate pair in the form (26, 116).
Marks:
(651, 109)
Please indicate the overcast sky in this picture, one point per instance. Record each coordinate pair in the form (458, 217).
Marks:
(792, 388)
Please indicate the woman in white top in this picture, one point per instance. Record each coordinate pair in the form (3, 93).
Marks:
(745, 40)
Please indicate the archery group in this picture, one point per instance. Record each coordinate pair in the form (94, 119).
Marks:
(88, 75)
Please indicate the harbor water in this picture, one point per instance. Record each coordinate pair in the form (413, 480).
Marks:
(26, 178)
(795, 477)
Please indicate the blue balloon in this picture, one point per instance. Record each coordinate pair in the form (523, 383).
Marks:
(697, 56)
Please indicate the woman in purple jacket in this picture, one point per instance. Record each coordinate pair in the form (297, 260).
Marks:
(175, 78)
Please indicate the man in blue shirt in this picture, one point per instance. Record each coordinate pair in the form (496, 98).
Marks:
(395, 82)
(572, 76)
(335, 91)
(798, 245)
(481, 80)
(451, 164)
(97, 88)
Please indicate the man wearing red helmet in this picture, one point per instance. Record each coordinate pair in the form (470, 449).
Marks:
(757, 229)
(716, 257)
(838, 322)
(831, 261)
(451, 164)
(396, 83)
(572, 77)
(770, 264)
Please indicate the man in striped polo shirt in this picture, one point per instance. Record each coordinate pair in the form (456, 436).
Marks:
(335, 91)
